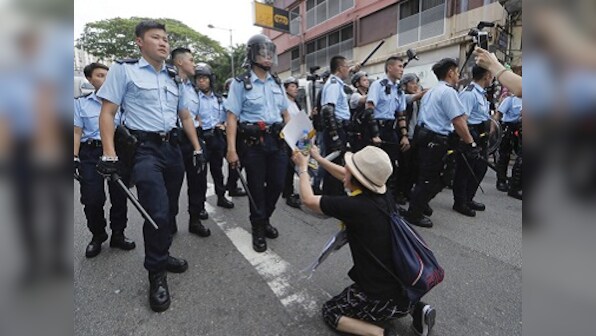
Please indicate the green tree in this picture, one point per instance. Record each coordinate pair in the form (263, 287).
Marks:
(222, 64)
(114, 39)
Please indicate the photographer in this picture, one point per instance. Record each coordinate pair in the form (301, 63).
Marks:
(374, 296)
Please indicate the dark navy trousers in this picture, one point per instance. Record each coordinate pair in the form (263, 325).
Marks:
(158, 172)
(266, 165)
(93, 196)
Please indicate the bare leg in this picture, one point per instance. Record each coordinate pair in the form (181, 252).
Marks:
(358, 327)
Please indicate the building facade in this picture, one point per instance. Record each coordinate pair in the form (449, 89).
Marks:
(436, 29)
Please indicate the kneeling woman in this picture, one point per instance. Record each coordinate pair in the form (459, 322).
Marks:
(375, 295)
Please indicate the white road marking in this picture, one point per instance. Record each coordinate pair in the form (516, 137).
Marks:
(289, 286)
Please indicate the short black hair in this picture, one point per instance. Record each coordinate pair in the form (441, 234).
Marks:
(335, 63)
(442, 67)
(478, 72)
(178, 51)
(88, 70)
(143, 26)
(392, 60)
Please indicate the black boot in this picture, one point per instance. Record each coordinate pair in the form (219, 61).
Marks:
(476, 206)
(224, 202)
(427, 210)
(259, 244)
(236, 192)
(464, 209)
(195, 226)
(418, 219)
(502, 185)
(159, 294)
(94, 246)
(293, 201)
(120, 241)
(176, 265)
(270, 231)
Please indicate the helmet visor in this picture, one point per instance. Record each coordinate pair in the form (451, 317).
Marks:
(264, 53)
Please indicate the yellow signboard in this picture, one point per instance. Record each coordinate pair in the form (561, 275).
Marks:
(272, 17)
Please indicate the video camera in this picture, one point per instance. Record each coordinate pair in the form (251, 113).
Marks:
(481, 37)
(313, 76)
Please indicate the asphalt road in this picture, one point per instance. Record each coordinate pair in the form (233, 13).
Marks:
(231, 290)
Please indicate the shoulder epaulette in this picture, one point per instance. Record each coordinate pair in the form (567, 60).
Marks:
(245, 78)
(470, 87)
(173, 73)
(333, 80)
(276, 78)
(384, 83)
(84, 95)
(127, 61)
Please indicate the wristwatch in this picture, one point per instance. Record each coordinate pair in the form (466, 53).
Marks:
(109, 158)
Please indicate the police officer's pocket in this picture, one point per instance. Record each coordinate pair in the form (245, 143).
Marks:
(278, 95)
(145, 90)
(172, 95)
(254, 100)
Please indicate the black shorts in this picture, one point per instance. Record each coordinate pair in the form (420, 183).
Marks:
(354, 303)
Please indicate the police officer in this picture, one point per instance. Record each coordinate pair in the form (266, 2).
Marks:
(363, 125)
(510, 113)
(292, 198)
(184, 62)
(469, 173)
(148, 93)
(182, 59)
(209, 108)
(257, 109)
(232, 183)
(407, 171)
(441, 112)
(335, 115)
(387, 102)
(87, 150)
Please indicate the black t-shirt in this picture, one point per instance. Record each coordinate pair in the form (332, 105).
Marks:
(366, 224)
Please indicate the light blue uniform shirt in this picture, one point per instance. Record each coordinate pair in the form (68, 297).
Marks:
(86, 116)
(511, 107)
(476, 105)
(190, 100)
(333, 93)
(264, 102)
(439, 106)
(149, 99)
(211, 111)
(386, 105)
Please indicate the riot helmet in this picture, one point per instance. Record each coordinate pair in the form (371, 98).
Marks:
(204, 69)
(260, 50)
(290, 80)
(356, 78)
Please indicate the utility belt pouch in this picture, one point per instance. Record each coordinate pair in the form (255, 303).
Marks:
(250, 134)
(126, 145)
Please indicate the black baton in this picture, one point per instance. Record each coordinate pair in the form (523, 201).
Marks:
(245, 185)
(471, 171)
(372, 53)
(134, 200)
(490, 165)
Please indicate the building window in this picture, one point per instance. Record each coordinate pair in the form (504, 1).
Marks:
(318, 11)
(339, 42)
(420, 20)
(295, 21)
(295, 63)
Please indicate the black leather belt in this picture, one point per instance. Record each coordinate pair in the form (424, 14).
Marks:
(385, 122)
(92, 143)
(157, 137)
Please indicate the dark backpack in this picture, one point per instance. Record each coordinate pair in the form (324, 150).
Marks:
(415, 264)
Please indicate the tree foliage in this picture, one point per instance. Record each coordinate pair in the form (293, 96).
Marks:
(114, 39)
